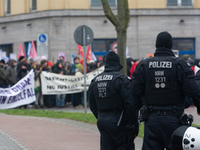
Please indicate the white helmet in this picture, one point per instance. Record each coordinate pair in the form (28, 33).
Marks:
(186, 138)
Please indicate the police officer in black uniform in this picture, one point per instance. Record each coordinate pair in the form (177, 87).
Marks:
(112, 104)
(162, 81)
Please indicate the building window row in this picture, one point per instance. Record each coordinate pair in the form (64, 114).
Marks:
(97, 4)
(113, 3)
(33, 6)
(179, 2)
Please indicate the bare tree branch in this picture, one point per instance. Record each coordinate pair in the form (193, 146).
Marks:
(109, 14)
(126, 13)
(120, 10)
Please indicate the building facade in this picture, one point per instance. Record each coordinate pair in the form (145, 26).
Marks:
(22, 20)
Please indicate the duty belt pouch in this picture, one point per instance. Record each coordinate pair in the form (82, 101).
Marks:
(186, 119)
(183, 119)
(144, 114)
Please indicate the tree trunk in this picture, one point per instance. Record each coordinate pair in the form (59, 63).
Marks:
(121, 24)
(121, 35)
(121, 49)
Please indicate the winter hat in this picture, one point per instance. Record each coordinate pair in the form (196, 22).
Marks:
(112, 57)
(21, 57)
(190, 61)
(2, 61)
(43, 58)
(50, 63)
(164, 39)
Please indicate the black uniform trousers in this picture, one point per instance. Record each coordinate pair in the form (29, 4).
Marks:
(111, 134)
(158, 130)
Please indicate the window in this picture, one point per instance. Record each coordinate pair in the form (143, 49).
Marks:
(33, 5)
(102, 46)
(179, 2)
(185, 46)
(7, 7)
(97, 3)
(186, 2)
(8, 48)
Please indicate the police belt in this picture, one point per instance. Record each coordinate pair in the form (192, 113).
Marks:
(173, 111)
(110, 112)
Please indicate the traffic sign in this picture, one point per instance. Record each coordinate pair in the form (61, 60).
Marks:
(78, 35)
(83, 36)
(42, 45)
(114, 47)
(42, 38)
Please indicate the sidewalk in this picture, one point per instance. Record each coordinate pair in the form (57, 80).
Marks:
(36, 133)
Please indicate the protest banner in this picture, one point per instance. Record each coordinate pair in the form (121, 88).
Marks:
(62, 84)
(22, 93)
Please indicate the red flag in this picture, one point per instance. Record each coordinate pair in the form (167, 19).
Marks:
(33, 52)
(100, 58)
(80, 50)
(89, 53)
(21, 52)
(133, 67)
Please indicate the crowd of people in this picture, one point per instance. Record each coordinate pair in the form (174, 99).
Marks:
(13, 71)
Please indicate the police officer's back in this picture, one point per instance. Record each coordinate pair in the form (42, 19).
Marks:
(163, 81)
(109, 99)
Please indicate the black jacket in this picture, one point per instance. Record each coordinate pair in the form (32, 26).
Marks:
(121, 86)
(58, 70)
(187, 83)
(21, 73)
(196, 100)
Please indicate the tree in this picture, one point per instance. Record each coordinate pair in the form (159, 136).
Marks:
(120, 22)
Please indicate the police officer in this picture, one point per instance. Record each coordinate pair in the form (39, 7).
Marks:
(112, 105)
(163, 81)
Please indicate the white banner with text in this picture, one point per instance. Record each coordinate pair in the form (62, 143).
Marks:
(65, 84)
(22, 93)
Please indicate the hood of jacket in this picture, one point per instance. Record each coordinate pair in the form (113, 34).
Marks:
(11, 63)
(113, 66)
(29, 59)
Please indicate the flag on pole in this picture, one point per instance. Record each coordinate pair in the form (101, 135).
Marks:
(21, 51)
(29, 49)
(196, 69)
(89, 53)
(94, 57)
(100, 58)
(80, 50)
(33, 52)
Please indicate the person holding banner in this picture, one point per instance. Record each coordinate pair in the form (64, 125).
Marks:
(2, 74)
(59, 69)
(11, 74)
(112, 104)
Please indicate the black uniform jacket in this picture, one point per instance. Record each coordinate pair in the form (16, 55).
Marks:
(122, 87)
(187, 83)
